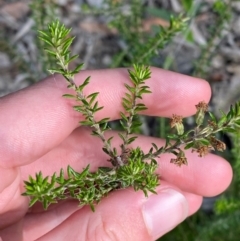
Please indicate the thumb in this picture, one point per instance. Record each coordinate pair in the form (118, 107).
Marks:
(127, 215)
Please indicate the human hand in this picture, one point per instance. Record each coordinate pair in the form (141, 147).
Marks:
(39, 131)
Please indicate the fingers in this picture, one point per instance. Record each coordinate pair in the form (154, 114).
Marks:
(171, 92)
(13, 206)
(7, 177)
(36, 224)
(128, 215)
(36, 119)
(12, 232)
(206, 176)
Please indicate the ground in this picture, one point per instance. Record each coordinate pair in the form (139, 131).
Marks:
(97, 44)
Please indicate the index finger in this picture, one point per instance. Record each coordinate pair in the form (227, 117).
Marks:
(36, 119)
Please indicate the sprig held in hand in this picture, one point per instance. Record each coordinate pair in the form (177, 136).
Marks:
(131, 167)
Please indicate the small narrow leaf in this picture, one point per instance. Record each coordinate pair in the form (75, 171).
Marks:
(85, 83)
(53, 71)
(33, 201)
(155, 146)
(78, 68)
(189, 145)
(130, 140)
(205, 142)
(85, 123)
(69, 96)
(71, 59)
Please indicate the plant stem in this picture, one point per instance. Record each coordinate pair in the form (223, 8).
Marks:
(80, 96)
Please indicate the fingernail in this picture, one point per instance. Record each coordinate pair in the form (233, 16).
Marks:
(164, 211)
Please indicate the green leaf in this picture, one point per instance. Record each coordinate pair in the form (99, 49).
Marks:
(85, 83)
(172, 136)
(222, 120)
(114, 151)
(155, 146)
(51, 52)
(144, 91)
(78, 108)
(95, 133)
(53, 179)
(59, 71)
(71, 59)
(109, 140)
(105, 150)
(123, 116)
(70, 171)
(86, 123)
(189, 145)
(45, 204)
(187, 4)
(92, 97)
(69, 96)
(32, 181)
(237, 122)
(123, 124)
(42, 33)
(204, 141)
(230, 114)
(130, 140)
(66, 44)
(104, 120)
(33, 201)
(122, 136)
(94, 108)
(131, 89)
(46, 40)
(97, 109)
(84, 173)
(29, 186)
(92, 207)
(133, 77)
(78, 68)
(39, 178)
(230, 129)
(104, 126)
(213, 118)
(85, 102)
(140, 107)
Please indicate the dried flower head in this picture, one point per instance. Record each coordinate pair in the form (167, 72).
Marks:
(176, 122)
(204, 150)
(212, 124)
(217, 144)
(180, 160)
(202, 108)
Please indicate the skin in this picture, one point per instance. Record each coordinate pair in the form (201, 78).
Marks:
(40, 131)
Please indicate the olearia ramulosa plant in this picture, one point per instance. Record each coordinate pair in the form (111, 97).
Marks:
(131, 167)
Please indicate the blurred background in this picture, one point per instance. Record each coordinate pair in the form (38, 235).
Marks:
(194, 37)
